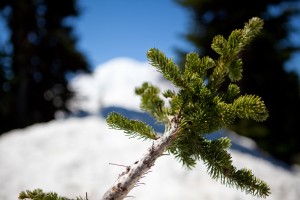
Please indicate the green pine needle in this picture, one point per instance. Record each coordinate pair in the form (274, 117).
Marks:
(250, 106)
(165, 66)
(151, 101)
(132, 128)
(39, 194)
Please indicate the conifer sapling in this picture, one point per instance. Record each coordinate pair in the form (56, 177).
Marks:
(199, 107)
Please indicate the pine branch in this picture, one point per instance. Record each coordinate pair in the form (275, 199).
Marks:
(165, 66)
(129, 178)
(198, 108)
(39, 194)
(151, 102)
(132, 128)
(250, 106)
(229, 63)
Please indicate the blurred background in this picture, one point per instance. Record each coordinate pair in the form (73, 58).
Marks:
(46, 43)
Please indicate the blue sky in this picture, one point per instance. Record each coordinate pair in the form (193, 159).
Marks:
(112, 28)
(107, 29)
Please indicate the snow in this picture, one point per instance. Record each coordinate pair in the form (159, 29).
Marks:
(72, 156)
(112, 82)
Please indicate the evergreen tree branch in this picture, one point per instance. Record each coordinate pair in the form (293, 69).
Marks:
(229, 63)
(250, 106)
(219, 166)
(151, 102)
(39, 194)
(197, 109)
(165, 66)
(132, 128)
(129, 178)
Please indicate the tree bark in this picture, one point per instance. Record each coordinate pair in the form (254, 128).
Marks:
(128, 179)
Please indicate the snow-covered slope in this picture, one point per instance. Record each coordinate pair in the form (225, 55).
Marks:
(113, 83)
(72, 157)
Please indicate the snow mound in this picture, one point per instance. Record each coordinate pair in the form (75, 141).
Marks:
(72, 157)
(113, 83)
